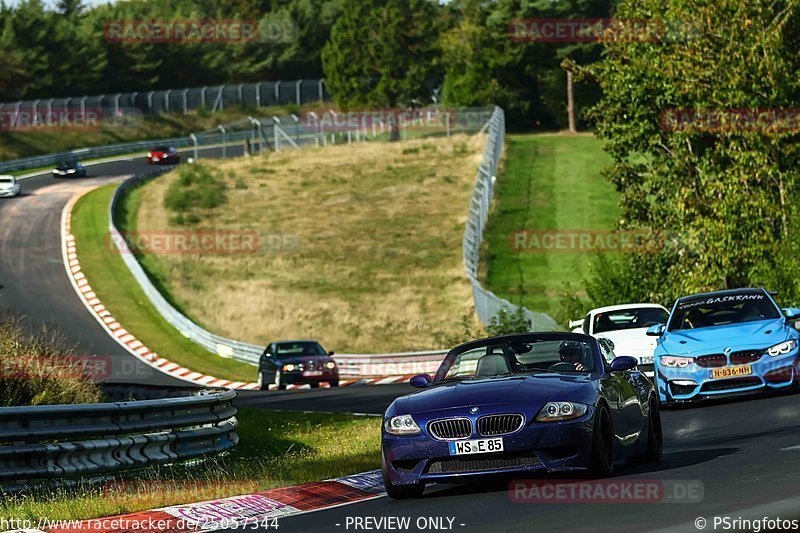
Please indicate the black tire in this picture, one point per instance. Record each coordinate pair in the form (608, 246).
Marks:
(601, 463)
(279, 384)
(655, 435)
(334, 383)
(314, 385)
(399, 492)
(261, 380)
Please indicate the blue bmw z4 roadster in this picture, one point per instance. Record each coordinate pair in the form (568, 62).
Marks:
(519, 403)
(725, 342)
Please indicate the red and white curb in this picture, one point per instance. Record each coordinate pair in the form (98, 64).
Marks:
(264, 509)
(136, 347)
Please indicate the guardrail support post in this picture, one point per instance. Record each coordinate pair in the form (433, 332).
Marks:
(194, 140)
(224, 142)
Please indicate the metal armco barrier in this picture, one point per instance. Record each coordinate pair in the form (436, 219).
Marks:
(62, 444)
(487, 304)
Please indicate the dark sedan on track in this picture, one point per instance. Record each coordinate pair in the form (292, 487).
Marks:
(549, 402)
(296, 363)
(69, 169)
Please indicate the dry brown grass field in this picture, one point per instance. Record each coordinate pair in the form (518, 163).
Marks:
(369, 258)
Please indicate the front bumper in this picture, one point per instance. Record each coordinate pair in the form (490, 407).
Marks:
(551, 447)
(7, 193)
(297, 378)
(695, 382)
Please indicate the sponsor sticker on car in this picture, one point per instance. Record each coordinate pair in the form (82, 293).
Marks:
(466, 447)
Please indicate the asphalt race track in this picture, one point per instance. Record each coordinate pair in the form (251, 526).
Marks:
(744, 453)
(33, 283)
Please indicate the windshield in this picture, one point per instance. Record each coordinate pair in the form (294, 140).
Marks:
(289, 349)
(6, 180)
(520, 357)
(160, 149)
(722, 310)
(634, 318)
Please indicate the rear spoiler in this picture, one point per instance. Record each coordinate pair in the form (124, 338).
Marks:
(576, 323)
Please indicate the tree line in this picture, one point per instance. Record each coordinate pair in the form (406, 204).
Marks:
(375, 53)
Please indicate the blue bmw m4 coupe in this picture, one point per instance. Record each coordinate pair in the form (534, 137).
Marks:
(517, 403)
(723, 343)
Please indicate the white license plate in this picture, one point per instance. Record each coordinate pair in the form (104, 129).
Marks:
(155, 159)
(312, 373)
(465, 447)
(646, 360)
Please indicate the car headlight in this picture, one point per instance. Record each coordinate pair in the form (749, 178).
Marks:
(149, 154)
(401, 425)
(782, 348)
(554, 411)
(70, 171)
(330, 365)
(676, 362)
(289, 368)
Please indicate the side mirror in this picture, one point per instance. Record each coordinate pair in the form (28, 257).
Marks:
(331, 352)
(623, 363)
(655, 331)
(421, 381)
(791, 313)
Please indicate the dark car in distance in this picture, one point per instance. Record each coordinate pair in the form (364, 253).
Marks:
(163, 155)
(296, 363)
(70, 168)
(535, 402)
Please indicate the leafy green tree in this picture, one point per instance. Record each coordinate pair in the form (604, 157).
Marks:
(382, 54)
(722, 196)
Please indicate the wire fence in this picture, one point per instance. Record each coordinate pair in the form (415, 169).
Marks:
(488, 304)
(212, 98)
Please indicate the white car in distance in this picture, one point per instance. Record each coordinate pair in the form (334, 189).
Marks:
(9, 186)
(625, 326)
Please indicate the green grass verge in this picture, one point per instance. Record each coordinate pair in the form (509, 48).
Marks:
(275, 449)
(551, 182)
(125, 300)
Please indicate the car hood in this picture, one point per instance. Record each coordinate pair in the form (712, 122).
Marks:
(630, 341)
(747, 335)
(529, 390)
(6, 186)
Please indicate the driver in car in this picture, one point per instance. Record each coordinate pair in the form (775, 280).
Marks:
(572, 353)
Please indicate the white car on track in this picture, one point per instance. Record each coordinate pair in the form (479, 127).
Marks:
(9, 186)
(625, 326)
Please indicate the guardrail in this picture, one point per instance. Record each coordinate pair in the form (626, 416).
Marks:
(488, 304)
(61, 444)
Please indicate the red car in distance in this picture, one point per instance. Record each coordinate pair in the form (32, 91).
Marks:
(163, 155)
